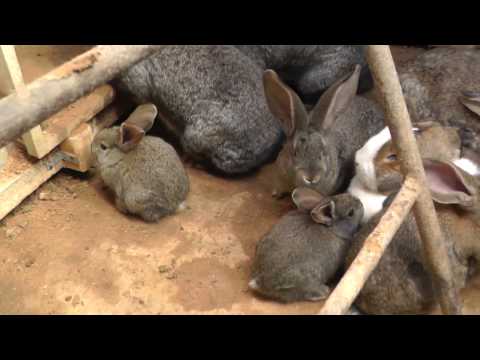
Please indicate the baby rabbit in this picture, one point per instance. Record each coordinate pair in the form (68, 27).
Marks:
(304, 251)
(321, 145)
(144, 172)
(433, 83)
(401, 283)
(376, 162)
(310, 69)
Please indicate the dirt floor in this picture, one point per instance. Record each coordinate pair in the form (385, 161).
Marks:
(67, 250)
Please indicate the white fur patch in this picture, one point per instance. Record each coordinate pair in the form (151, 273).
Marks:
(468, 166)
(364, 165)
(372, 202)
(253, 284)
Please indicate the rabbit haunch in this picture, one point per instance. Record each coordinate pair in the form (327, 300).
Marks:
(364, 185)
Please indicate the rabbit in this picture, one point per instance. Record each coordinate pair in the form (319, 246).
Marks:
(321, 145)
(211, 98)
(304, 251)
(144, 172)
(376, 162)
(401, 283)
(311, 69)
(434, 84)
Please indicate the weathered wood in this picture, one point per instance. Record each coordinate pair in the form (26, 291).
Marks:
(78, 145)
(3, 157)
(61, 125)
(398, 120)
(28, 181)
(343, 296)
(67, 83)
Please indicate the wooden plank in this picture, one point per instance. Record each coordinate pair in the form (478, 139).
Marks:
(17, 185)
(13, 81)
(60, 126)
(78, 145)
(3, 157)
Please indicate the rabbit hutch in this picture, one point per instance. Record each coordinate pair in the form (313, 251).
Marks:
(66, 249)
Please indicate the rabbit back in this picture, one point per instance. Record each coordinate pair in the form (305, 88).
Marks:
(434, 81)
(150, 180)
(213, 96)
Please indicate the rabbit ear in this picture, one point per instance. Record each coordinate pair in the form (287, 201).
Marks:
(472, 101)
(448, 184)
(284, 103)
(306, 199)
(129, 137)
(143, 117)
(335, 100)
(324, 213)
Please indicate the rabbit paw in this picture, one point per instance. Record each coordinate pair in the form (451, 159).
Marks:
(319, 294)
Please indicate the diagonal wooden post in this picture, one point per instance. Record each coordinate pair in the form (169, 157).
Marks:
(398, 120)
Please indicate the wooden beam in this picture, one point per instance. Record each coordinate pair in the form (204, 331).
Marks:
(22, 185)
(61, 125)
(66, 84)
(398, 120)
(78, 145)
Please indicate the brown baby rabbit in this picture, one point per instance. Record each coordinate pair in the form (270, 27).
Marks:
(378, 169)
(401, 283)
(305, 250)
(144, 172)
(321, 145)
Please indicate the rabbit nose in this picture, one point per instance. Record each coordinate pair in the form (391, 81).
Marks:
(311, 180)
(307, 180)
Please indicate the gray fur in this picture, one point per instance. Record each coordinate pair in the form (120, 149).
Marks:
(310, 69)
(298, 257)
(433, 83)
(320, 149)
(401, 283)
(212, 96)
(149, 181)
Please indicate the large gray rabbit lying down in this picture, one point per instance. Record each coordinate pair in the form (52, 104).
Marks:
(212, 97)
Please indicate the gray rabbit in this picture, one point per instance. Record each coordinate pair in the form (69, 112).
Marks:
(321, 145)
(304, 251)
(144, 172)
(434, 84)
(401, 283)
(311, 69)
(211, 98)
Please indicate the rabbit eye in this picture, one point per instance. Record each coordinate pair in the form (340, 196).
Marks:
(392, 157)
(103, 146)
(351, 213)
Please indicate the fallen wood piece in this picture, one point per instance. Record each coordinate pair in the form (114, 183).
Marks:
(44, 97)
(398, 120)
(28, 181)
(347, 290)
